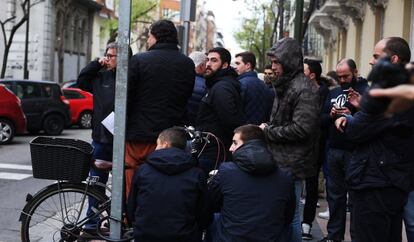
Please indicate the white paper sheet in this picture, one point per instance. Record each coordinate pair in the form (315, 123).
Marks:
(108, 122)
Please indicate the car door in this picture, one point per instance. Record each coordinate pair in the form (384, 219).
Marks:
(76, 101)
(30, 95)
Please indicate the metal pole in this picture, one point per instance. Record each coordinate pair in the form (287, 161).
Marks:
(26, 47)
(120, 117)
(186, 35)
(299, 21)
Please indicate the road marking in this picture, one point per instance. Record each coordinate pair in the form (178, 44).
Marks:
(15, 167)
(13, 176)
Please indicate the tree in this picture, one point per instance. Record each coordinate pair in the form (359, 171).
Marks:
(140, 10)
(24, 5)
(255, 34)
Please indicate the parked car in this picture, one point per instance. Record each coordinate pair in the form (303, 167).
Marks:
(81, 106)
(43, 104)
(12, 119)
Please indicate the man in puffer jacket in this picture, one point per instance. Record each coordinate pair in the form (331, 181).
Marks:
(161, 81)
(167, 199)
(221, 109)
(293, 130)
(255, 198)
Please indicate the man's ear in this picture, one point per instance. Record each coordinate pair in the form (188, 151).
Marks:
(312, 76)
(395, 59)
(225, 65)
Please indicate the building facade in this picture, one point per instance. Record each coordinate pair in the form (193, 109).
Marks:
(63, 37)
(350, 28)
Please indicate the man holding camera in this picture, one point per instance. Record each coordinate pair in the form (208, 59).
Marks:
(340, 148)
(380, 170)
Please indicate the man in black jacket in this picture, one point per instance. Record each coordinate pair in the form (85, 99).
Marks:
(161, 81)
(98, 77)
(255, 198)
(167, 200)
(221, 108)
(380, 170)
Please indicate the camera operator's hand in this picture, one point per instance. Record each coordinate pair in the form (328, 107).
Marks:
(354, 98)
(405, 91)
(340, 124)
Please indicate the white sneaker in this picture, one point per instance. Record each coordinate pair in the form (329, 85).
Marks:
(324, 215)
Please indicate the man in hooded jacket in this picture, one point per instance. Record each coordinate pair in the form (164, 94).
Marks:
(255, 198)
(293, 130)
(167, 199)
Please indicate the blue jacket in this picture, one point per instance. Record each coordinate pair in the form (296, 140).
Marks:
(256, 98)
(255, 198)
(337, 139)
(167, 199)
(193, 104)
(384, 154)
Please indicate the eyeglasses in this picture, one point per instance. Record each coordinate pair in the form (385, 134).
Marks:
(268, 73)
(109, 56)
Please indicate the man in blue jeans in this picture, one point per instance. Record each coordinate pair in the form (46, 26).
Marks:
(98, 78)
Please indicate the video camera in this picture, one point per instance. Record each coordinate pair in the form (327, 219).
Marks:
(384, 74)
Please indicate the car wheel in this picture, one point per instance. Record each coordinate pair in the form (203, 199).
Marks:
(85, 120)
(7, 131)
(53, 124)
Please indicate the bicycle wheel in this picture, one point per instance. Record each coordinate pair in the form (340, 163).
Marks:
(58, 212)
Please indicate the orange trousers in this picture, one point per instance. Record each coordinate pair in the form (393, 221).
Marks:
(135, 155)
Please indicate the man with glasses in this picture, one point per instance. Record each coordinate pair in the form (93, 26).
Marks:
(337, 104)
(98, 78)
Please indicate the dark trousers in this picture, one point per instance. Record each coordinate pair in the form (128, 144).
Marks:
(378, 214)
(101, 151)
(337, 193)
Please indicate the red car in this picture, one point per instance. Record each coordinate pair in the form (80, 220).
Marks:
(81, 106)
(12, 118)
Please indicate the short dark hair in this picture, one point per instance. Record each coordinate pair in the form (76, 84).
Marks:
(175, 136)
(164, 31)
(249, 131)
(248, 57)
(399, 47)
(349, 62)
(268, 66)
(224, 54)
(314, 67)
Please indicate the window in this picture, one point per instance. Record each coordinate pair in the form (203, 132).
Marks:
(72, 94)
(47, 90)
(28, 90)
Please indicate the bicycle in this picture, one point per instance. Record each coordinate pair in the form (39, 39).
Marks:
(58, 211)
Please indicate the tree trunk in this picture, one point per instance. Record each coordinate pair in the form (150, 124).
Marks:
(308, 14)
(282, 17)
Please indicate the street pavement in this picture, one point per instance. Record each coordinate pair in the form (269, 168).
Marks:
(16, 181)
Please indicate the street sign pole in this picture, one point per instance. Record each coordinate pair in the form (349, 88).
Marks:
(187, 14)
(120, 118)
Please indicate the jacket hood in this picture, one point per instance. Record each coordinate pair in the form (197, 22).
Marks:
(171, 160)
(229, 71)
(253, 157)
(288, 53)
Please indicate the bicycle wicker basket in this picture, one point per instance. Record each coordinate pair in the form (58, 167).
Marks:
(60, 158)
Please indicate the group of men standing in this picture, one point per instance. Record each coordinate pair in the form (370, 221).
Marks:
(258, 192)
